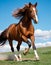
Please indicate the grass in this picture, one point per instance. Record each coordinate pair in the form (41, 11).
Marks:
(44, 53)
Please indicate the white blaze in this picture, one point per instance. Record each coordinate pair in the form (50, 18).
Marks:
(36, 17)
(35, 14)
(34, 9)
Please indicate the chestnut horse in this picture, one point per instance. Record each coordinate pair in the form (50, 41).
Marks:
(22, 31)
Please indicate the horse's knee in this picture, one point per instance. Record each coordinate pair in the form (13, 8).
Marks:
(29, 43)
(34, 47)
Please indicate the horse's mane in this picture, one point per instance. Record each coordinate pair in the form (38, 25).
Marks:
(19, 13)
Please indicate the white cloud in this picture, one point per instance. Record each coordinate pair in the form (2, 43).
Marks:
(6, 48)
(45, 44)
(42, 34)
(0, 31)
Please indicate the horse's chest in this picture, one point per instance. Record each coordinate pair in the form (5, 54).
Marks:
(24, 30)
(27, 31)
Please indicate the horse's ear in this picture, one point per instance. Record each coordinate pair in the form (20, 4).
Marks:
(30, 4)
(35, 4)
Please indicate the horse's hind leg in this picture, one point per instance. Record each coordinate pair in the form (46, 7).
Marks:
(12, 49)
(11, 45)
(18, 49)
(18, 45)
(34, 47)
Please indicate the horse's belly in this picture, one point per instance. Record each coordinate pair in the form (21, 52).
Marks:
(16, 37)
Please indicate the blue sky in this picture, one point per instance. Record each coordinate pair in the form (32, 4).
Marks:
(42, 29)
(8, 6)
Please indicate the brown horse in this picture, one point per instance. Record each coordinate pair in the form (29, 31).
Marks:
(22, 31)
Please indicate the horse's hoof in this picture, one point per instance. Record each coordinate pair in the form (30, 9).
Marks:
(36, 58)
(16, 57)
(24, 53)
(20, 57)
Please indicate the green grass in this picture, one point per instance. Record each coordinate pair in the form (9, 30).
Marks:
(44, 54)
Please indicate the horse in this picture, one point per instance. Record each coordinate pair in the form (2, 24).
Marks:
(23, 30)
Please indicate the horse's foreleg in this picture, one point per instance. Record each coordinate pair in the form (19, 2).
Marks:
(28, 42)
(34, 47)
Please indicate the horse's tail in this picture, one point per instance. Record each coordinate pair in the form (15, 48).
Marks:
(3, 37)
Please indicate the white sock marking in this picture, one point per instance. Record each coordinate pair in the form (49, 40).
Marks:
(36, 54)
(16, 57)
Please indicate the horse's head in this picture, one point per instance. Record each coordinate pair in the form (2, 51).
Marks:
(28, 10)
(33, 12)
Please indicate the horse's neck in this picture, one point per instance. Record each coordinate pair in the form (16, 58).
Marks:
(26, 21)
